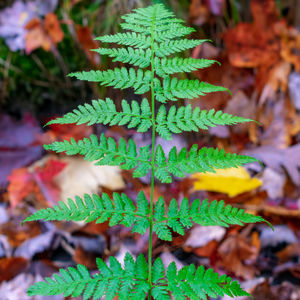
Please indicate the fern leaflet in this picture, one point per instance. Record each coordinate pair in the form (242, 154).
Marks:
(106, 152)
(186, 119)
(215, 213)
(95, 208)
(137, 57)
(105, 112)
(202, 161)
(174, 89)
(168, 66)
(119, 78)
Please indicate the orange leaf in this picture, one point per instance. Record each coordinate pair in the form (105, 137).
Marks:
(53, 28)
(20, 185)
(84, 35)
(36, 36)
(10, 267)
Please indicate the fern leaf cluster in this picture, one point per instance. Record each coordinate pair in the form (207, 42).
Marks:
(151, 35)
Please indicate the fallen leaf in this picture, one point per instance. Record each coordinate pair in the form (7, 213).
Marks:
(231, 181)
(43, 33)
(15, 289)
(45, 179)
(201, 235)
(81, 177)
(21, 184)
(18, 144)
(16, 235)
(238, 256)
(59, 132)
(35, 245)
(273, 183)
(37, 180)
(275, 158)
(84, 35)
(10, 267)
(36, 36)
(257, 44)
(53, 28)
(294, 89)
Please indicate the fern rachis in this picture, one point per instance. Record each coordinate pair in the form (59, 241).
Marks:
(154, 34)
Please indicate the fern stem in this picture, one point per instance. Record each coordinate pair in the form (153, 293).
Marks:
(152, 158)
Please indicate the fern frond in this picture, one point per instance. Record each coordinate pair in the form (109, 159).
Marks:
(174, 89)
(105, 112)
(215, 213)
(128, 39)
(197, 283)
(167, 66)
(119, 78)
(112, 281)
(202, 161)
(169, 47)
(137, 57)
(185, 118)
(106, 152)
(119, 210)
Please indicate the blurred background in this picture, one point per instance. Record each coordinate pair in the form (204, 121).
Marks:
(258, 45)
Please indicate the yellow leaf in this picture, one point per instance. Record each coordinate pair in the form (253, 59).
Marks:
(232, 181)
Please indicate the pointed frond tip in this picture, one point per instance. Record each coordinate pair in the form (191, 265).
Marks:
(119, 210)
(104, 112)
(203, 213)
(128, 282)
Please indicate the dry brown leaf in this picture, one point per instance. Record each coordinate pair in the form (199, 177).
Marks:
(53, 28)
(235, 251)
(43, 33)
(10, 267)
(85, 38)
(36, 36)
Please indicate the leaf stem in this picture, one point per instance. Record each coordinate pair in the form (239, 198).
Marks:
(152, 158)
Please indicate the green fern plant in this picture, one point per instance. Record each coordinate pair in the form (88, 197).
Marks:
(153, 34)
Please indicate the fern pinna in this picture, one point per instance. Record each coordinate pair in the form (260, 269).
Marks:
(153, 35)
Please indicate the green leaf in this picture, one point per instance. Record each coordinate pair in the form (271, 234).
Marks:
(174, 89)
(168, 66)
(104, 112)
(105, 151)
(119, 210)
(196, 160)
(137, 57)
(215, 213)
(119, 78)
(187, 119)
